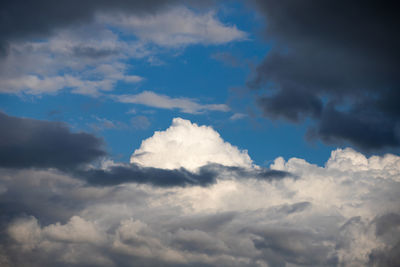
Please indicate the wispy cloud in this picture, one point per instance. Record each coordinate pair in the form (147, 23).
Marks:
(237, 116)
(186, 105)
(178, 26)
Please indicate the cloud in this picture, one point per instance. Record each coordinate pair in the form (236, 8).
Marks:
(88, 60)
(140, 122)
(179, 177)
(88, 52)
(332, 66)
(29, 143)
(237, 116)
(157, 176)
(345, 213)
(25, 20)
(178, 26)
(155, 100)
(187, 145)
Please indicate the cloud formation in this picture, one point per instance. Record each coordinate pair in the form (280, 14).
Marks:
(336, 63)
(26, 143)
(88, 52)
(185, 105)
(187, 145)
(346, 213)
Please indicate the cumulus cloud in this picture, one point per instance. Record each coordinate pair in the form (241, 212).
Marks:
(191, 210)
(345, 213)
(155, 100)
(187, 145)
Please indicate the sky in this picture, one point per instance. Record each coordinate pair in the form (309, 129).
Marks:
(199, 133)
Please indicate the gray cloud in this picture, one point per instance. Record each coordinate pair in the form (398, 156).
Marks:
(205, 176)
(332, 60)
(160, 177)
(29, 143)
(22, 19)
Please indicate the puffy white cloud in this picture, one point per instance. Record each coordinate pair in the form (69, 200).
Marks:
(185, 144)
(155, 100)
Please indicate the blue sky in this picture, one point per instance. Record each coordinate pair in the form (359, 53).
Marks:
(208, 73)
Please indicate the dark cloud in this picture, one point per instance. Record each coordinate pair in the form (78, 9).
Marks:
(385, 258)
(178, 177)
(26, 143)
(387, 228)
(334, 55)
(281, 246)
(262, 174)
(363, 129)
(20, 19)
(37, 18)
(135, 174)
(386, 223)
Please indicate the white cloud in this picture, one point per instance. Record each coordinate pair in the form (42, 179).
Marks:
(185, 144)
(155, 100)
(178, 26)
(237, 116)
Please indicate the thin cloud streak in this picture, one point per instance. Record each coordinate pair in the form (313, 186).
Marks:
(185, 105)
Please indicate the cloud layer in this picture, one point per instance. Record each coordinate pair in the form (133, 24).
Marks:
(343, 214)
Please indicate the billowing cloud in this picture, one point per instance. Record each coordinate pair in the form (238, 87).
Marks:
(29, 143)
(343, 214)
(336, 63)
(155, 100)
(187, 145)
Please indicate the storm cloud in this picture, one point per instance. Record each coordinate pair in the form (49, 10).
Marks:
(26, 143)
(336, 62)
